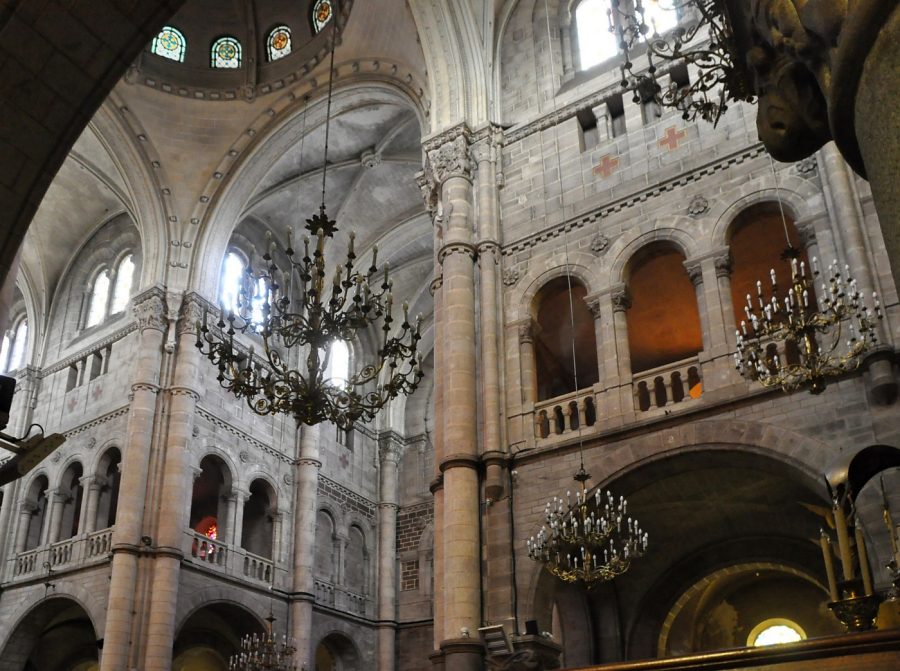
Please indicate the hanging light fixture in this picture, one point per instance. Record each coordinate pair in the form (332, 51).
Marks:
(264, 653)
(591, 540)
(705, 41)
(299, 309)
(830, 330)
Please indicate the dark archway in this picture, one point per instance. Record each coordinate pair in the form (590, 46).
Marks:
(56, 635)
(211, 634)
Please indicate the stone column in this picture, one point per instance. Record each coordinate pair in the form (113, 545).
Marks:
(596, 307)
(694, 270)
(527, 364)
(461, 550)
(55, 501)
(277, 536)
(236, 503)
(91, 485)
(485, 154)
(722, 263)
(7, 542)
(27, 510)
(176, 483)
(303, 587)
(149, 308)
(389, 453)
(621, 349)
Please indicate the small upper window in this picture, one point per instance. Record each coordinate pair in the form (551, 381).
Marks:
(660, 17)
(232, 278)
(226, 53)
(4, 354)
(122, 290)
(279, 43)
(338, 363)
(322, 12)
(595, 41)
(99, 299)
(170, 43)
(17, 357)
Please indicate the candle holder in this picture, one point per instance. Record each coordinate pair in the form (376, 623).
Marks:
(857, 611)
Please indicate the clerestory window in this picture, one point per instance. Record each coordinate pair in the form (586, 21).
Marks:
(225, 54)
(278, 44)
(595, 41)
(169, 43)
(322, 12)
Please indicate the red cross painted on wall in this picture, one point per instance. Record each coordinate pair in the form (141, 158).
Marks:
(672, 138)
(607, 166)
(97, 391)
(71, 403)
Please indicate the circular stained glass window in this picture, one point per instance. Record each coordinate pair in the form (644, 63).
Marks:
(321, 14)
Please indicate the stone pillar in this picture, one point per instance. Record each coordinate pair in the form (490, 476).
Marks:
(27, 510)
(595, 305)
(149, 308)
(55, 501)
(486, 155)
(527, 365)
(303, 587)
(236, 503)
(389, 453)
(694, 270)
(176, 484)
(277, 536)
(7, 542)
(722, 263)
(91, 485)
(621, 350)
(461, 551)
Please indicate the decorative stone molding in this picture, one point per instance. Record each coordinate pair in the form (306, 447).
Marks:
(698, 206)
(390, 448)
(526, 332)
(723, 263)
(807, 233)
(370, 159)
(807, 166)
(510, 277)
(594, 305)
(436, 285)
(306, 461)
(150, 310)
(457, 248)
(694, 271)
(193, 305)
(426, 184)
(451, 159)
(599, 244)
(621, 300)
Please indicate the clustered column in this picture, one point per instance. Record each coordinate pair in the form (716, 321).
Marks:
(461, 552)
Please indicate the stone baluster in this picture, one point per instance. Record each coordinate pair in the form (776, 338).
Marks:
(461, 552)
(389, 455)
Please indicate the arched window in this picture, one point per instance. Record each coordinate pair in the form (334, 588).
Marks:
(4, 354)
(109, 491)
(20, 344)
(322, 12)
(338, 363)
(278, 44)
(558, 347)
(663, 320)
(324, 552)
(170, 43)
(208, 503)
(595, 41)
(72, 491)
(232, 277)
(258, 527)
(37, 507)
(660, 15)
(225, 53)
(122, 290)
(775, 631)
(355, 560)
(99, 299)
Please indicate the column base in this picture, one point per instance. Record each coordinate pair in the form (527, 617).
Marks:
(462, 654)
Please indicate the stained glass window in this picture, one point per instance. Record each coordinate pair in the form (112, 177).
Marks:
(595, 43)
(122, 291)
(170, 43)
(17, 358)
(321, 14)
(226, 53)
(99, 299)
(279, 43)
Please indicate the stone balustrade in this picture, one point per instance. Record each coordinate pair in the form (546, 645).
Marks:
(63, 555)
(667, 386)
(565, 414)
(257, 568)
(334, 596)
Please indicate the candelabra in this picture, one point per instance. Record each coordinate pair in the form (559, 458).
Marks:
(264, 653)
(591, 541)
(816, 330)
(704, 40)
(288, 315)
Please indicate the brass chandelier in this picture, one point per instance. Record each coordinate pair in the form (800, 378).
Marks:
(705, 40)
(591, 541)
(298, 309)
(830, 337)
(264, 653)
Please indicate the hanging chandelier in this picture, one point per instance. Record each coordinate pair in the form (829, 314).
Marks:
(830, 334)
(264, 653)
(298, 310)
(591, 541)
(705, 41)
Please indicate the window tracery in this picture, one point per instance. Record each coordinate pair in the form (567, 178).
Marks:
(225, 54)
(169, 43)
(278, 44)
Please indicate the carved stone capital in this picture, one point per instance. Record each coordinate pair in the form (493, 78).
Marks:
(526, 332)
(723, 264)
(694, 271)
(193, 305)
(621, 300)
(150, 310)
(428, 187)
(594, 305)
(390, 447)
(451, 159)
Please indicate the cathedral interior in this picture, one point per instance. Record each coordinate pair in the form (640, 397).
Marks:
(581, 258)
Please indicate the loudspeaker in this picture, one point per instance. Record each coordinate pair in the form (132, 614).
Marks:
(531, 628)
